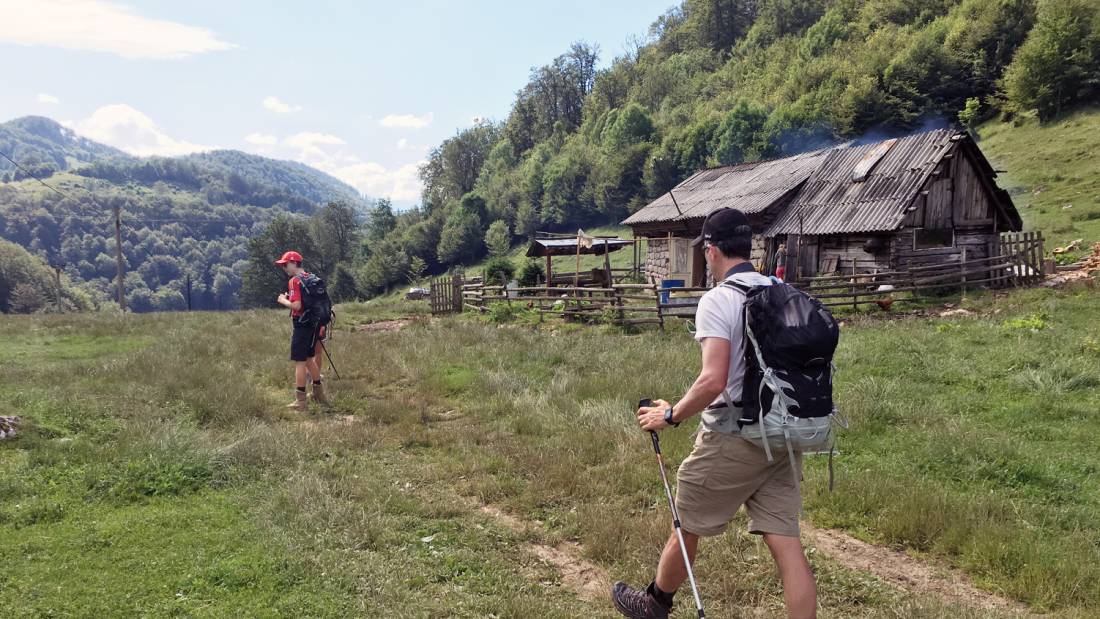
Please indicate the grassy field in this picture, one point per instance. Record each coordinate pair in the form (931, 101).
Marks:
(159, 475)
(1051, 172)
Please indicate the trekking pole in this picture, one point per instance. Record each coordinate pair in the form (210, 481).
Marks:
(330, 363)
(675, 515)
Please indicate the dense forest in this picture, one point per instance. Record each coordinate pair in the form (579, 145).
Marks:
(43, 147)
(187, 220)
(724, 81)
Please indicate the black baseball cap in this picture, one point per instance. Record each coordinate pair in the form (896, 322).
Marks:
(724, 224)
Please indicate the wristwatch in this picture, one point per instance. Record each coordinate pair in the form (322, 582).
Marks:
(668, 418)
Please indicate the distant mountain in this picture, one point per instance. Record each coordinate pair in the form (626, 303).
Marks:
(309, 183)
(44, 146)
(186, 220)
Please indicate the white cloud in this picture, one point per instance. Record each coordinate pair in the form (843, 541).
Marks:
(45, 98)
(402, 144)
(261, 139)
(406, 121)
(126, 128)
(310, 139)
(279, 107)
(373, 179)
(329, 153)
(101, 26)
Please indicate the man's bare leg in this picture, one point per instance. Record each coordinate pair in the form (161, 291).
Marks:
(799, 589)
(671, 571)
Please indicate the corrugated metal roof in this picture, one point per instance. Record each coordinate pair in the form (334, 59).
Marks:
(750, 187)
(832, 202)
(568, 247)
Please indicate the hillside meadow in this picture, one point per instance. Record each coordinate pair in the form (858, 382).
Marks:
(158, 473)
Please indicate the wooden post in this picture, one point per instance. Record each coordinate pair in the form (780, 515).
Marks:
(456, 293)
(189, 292)
(855, 287)
(607, 263)
(549, 272)
(634, 273)
(660, 310)
(57, 283)
(118, 255)
(577, 273)
(963, 275)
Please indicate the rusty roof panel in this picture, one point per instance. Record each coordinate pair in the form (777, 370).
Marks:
(750, 187)
(832, 202)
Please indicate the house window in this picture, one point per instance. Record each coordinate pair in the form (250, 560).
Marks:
(924, 238)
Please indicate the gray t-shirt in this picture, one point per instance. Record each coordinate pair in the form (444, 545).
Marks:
(720, 315)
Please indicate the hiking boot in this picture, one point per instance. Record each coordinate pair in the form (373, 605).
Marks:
(637, 604)
(319, 395)
(300, 403)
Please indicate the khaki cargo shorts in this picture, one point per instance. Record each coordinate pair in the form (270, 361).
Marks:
(724, 472)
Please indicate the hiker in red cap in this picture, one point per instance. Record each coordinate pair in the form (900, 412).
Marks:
(305, 340)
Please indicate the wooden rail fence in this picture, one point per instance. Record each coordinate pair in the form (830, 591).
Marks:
(1018, 262)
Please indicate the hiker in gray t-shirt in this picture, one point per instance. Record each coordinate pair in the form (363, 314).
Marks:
(724, 470)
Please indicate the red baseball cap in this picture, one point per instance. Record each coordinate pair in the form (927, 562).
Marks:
(290, 256)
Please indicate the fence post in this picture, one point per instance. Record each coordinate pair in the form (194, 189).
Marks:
(855, 291)
(456, 293)
(962, 274)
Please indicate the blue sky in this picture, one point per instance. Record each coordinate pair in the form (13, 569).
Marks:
(358, 89)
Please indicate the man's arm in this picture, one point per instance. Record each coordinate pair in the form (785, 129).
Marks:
(285, 301)
(707, 387)
(293, 301)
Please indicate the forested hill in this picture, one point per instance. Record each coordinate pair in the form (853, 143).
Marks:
(43, 146)
(724, 81)
(184, 218)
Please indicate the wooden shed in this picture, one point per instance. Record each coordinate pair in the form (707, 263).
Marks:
(760, 189)
(917, 200)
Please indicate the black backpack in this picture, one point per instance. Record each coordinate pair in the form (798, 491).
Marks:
(316, 304)
(789, 369)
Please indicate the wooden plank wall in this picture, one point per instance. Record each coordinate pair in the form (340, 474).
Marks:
(849, 253)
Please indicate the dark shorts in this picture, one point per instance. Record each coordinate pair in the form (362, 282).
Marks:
(303, 341)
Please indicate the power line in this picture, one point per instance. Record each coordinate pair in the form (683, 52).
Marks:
(30, 175)
(83, 208)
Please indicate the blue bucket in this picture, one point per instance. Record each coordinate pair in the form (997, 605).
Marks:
(669, 283)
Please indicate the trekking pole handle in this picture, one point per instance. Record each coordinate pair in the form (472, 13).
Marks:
(645, 403)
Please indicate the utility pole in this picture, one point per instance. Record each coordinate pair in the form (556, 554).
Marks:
(57, 283)
(118, 254)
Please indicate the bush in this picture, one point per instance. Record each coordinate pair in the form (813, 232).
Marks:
(498, 268)
(531, 273)
(501, 312)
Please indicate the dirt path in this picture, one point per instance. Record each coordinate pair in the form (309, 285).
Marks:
(382, 326)
(892, 567)
(905, 572)
(588, 580)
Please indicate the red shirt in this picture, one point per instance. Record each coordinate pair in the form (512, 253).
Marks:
(294, 290)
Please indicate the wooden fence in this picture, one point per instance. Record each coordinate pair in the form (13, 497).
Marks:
(1019, 262)
(445, 294)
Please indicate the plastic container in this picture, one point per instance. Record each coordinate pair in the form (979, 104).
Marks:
(669, 283)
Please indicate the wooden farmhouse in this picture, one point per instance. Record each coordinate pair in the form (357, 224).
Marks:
(905, 202)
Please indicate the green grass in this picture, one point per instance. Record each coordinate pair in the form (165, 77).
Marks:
(1051, 172)
(158, 464)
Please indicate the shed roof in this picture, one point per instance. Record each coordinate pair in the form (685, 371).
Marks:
(750, 187)
(833, 202)
(568, 247)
